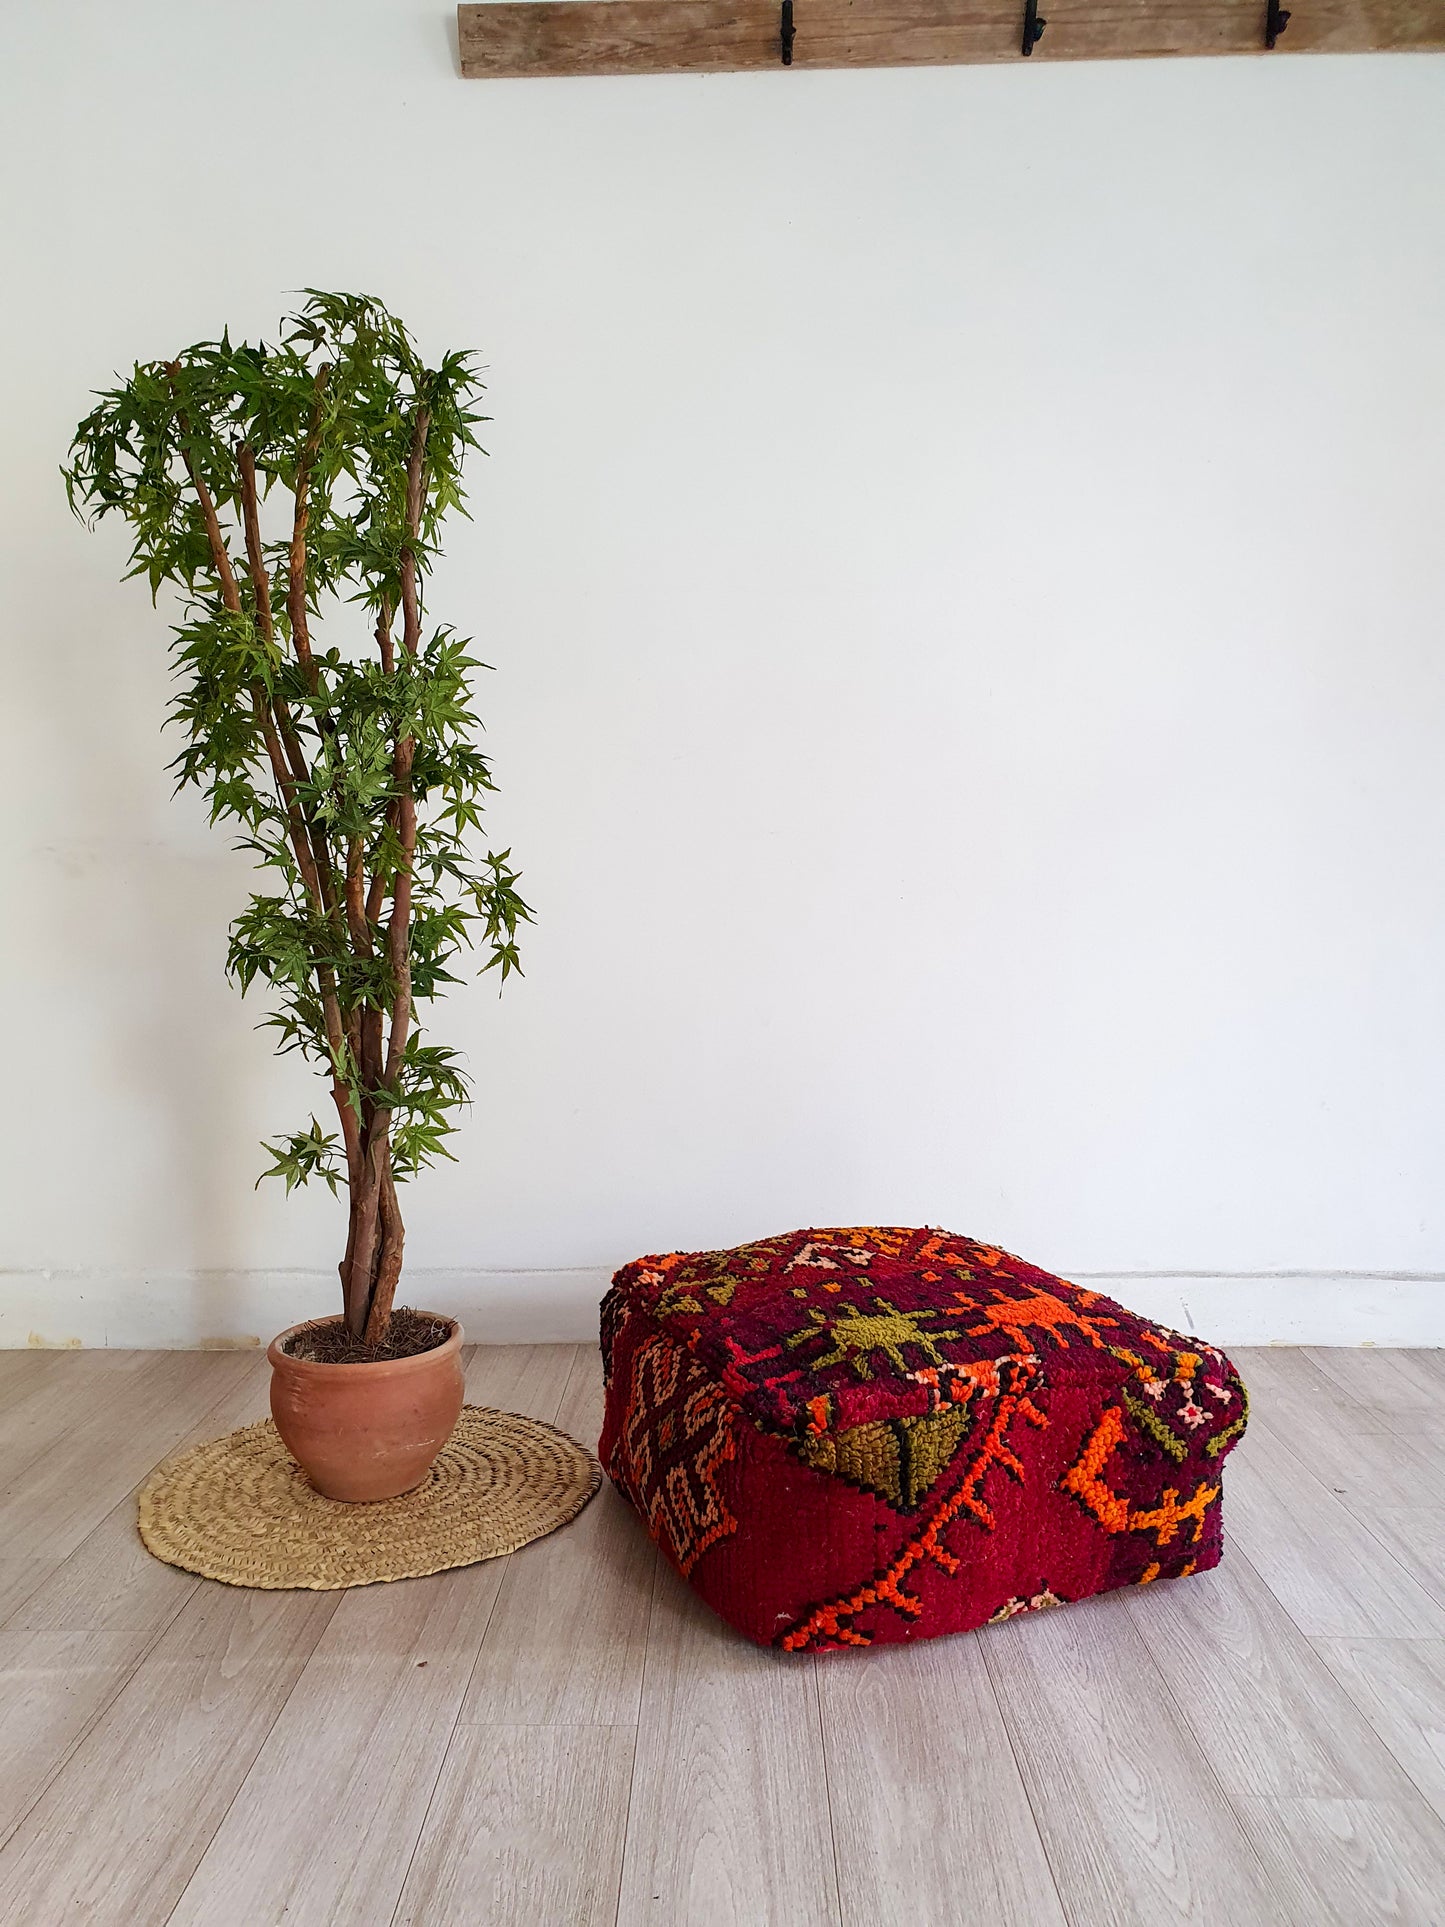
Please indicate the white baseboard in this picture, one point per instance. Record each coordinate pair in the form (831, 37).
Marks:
(181, 1311)
(1286, 1307)
(223, 1310)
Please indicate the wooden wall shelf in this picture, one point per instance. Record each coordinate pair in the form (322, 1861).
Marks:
(557, 37)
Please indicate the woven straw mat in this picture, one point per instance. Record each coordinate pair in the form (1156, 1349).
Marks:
(241, 1510)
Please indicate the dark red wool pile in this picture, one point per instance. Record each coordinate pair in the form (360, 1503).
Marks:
(847, 1437)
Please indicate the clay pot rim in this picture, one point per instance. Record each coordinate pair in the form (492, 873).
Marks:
(361, 1367)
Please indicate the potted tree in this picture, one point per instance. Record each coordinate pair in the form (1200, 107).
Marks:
(270, 487)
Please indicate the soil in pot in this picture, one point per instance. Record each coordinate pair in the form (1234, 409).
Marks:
(328, 1342)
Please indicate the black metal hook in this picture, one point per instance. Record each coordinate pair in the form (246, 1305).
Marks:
(1276, 19)
(786, 34)
(1034, 26)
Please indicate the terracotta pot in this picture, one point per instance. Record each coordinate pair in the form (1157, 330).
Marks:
(370, 1431)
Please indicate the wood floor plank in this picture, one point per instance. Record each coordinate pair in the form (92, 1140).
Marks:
(1330, 1572)
(1344, 1863)
(525, 1830)
(1135, 1824)
(1367, 1471)
(1399, 1686)
(120, 1828)
(1263, 1707)
(729, 1805)
(927, 1803)
(330, 1813)
(53, 1394)
(1295, 1395)
(19, 1361)
(566, 1642)
(1394, 1382)
(1263, 1745)
(110, 1583)
(47, 1508)
(23, 1372)
(1414, 1538)
(53, 1686)
(338, 1794)
(529, 1379)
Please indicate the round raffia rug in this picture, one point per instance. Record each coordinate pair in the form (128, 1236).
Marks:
(241, 1510)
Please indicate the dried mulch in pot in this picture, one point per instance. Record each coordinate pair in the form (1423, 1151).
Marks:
(328, 1342)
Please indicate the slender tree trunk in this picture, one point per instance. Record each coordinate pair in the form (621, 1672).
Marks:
(388, 1268)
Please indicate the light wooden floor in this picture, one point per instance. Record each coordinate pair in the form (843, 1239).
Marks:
(567, 1737)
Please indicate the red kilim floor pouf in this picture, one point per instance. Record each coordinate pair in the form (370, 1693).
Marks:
(841, 1438)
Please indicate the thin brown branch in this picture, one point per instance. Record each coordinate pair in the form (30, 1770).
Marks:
(286, 727)
(383, 637)
(296, 567)
(415, 480)
(398, 931)
(359, 925)
(285, 783)
(356, 918)
(255, 556)
(398, 935)
(376, 891)
(231, 597)
(221, 561)
(302, 781)
(261, 593)
(340, 1042)
(261, 587)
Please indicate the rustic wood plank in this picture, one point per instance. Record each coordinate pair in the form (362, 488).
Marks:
(1263, 1707)
(1136, 1826)
(330, 1813)
(729, 1807)
(556, 37)
(525, 1830)
(119, 1830)
(1341, 1863)
(566, 1642)
(927, 1803)
(1399, 1686)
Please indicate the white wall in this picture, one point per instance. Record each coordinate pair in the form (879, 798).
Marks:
(962, 556)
